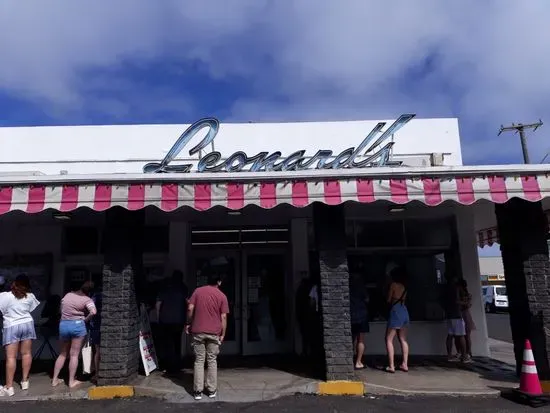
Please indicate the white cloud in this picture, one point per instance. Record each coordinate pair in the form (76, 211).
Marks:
(324, 59)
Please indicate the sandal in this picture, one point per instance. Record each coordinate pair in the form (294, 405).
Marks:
(56, 382)
(404, 370)
(389, 370)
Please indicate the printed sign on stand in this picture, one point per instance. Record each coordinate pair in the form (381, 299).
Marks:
(146, 345)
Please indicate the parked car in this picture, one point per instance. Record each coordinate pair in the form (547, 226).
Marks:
(495, 298)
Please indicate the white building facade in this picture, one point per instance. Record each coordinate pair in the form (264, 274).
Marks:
(243, 204)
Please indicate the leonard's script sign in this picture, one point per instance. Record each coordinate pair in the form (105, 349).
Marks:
(276, 161)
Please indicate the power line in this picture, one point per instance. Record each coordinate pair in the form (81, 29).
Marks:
(520, 128)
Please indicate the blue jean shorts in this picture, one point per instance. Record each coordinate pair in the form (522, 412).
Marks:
(18, 333)
(456, 327)
(69, 329)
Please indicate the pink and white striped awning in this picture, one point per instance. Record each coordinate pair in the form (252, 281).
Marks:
(170, 192)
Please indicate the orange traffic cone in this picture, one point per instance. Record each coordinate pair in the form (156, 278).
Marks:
(529, 381)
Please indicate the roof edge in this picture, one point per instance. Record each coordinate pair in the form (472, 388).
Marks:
(367, 173)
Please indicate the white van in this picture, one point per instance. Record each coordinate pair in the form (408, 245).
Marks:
(495, 298)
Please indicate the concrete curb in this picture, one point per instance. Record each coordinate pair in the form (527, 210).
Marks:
(377, 389)
(329, 388)
(110, 392)
(341, 388)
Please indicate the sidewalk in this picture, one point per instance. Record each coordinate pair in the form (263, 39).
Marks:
(437, 376)
(427, 376)
(234, 385)
(502, 351)
(41, 389)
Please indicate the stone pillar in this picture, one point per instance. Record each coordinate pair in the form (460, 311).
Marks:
(122, 273)
(334, 291)
(523, 229)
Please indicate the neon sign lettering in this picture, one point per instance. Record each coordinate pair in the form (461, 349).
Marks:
(265, 161)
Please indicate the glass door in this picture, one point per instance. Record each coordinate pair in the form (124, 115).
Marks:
(225, 263)
(265, 311)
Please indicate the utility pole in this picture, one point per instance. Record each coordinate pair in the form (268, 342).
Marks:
(520, 128)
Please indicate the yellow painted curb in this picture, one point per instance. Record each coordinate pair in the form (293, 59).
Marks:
(545, 384)
(341, 388)
(110, 392)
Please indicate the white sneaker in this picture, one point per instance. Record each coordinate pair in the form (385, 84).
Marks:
(6, 391)
(25, 385)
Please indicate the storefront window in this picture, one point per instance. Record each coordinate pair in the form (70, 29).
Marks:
(425, 273)
(76, 275)
(38, 267)
(424, 247)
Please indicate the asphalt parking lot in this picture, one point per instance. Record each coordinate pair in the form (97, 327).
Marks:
(296, 404)
(499, 326)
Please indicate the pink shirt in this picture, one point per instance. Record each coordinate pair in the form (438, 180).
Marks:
(210, 303)
(76, 307)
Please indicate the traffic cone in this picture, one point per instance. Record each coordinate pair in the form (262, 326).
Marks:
(529, 381)
(530, 390)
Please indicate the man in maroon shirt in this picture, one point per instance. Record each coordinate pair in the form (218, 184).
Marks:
(207, 324)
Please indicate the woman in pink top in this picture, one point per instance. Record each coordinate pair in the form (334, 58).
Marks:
(77, 308)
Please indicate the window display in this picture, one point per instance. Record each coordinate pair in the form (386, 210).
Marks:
(424, 275)
(424, 247)
(37, 267)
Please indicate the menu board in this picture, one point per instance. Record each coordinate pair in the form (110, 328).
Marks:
(146, 345)
(37, 267)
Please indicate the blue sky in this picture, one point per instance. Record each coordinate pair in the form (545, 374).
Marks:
(492, 251)
(139, 61)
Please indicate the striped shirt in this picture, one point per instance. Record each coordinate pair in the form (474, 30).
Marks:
(75, 306)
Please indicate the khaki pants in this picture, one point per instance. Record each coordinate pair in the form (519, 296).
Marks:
(206, 348)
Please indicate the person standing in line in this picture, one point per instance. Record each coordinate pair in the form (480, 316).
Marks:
(77, 309)
(456, 328)
(398, 319)
(465, 305)
(18, 331)
(171, 309)
(207, 324)
(359, 318)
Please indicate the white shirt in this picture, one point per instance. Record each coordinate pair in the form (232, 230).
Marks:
(17, 311)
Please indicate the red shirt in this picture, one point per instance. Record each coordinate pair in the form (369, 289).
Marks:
(210, 303)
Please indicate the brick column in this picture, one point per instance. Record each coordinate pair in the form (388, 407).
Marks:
(120, 357)
(334, 291)
(523, 230)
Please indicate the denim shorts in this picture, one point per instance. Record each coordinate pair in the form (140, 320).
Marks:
(456, 327)
(18, 332)
(69, 329)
